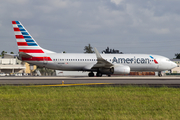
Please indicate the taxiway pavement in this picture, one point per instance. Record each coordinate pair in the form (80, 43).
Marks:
(97, 80)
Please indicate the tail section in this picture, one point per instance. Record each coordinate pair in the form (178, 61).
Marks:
(25, 41)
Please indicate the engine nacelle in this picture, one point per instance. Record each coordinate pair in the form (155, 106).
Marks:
(115, 70)
(106, 70)
(121, 70)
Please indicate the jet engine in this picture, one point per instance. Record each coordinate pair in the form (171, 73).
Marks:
(116, 70)
(121, 70)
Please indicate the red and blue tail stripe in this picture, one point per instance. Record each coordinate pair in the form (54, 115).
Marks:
(25, 41)
(27, 44)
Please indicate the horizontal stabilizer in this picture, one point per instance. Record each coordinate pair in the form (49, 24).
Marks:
(24, 55)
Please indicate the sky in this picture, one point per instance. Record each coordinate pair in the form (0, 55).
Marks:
(130, 26)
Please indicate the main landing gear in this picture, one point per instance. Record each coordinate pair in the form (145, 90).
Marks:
(98, 74)
(159, 74)
(91, 74)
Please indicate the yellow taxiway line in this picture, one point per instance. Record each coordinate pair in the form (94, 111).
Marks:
(80, 84)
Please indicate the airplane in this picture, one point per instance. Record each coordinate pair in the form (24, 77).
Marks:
(108, 64)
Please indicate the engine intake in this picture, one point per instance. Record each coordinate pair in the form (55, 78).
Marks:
(121, 70)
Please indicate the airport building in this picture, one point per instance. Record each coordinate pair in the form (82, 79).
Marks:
(11, 65)
(177, 69)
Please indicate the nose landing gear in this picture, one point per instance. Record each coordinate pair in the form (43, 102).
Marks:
(159, 74)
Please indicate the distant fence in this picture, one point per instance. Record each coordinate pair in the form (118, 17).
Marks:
(142, 73)
(172, 73)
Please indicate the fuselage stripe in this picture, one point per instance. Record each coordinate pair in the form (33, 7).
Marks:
(37, 59)
(31, 50)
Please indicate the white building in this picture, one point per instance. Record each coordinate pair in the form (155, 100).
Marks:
(177, 69)
(10, 64)
(71, 73)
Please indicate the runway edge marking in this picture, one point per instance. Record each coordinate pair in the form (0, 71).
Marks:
(62, 85)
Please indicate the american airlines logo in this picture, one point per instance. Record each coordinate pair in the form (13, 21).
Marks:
(134, 60)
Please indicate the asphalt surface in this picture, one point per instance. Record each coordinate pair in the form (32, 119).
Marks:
(150, 81)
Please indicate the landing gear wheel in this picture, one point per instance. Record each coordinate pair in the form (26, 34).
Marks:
(109, 75)
(91, 74)
(98, 74)
(160, 74)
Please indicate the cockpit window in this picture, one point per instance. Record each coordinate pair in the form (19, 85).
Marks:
(167, 60)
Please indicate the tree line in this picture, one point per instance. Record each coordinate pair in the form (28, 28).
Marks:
(89, 49)
(3, 52)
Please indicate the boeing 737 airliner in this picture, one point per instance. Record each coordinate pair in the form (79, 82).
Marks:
(108, 64)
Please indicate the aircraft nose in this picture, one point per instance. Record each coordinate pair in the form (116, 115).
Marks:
(173, 64)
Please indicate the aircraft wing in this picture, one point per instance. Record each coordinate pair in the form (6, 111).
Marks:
(101, 63)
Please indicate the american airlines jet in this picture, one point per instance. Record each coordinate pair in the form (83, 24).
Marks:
(31, 52)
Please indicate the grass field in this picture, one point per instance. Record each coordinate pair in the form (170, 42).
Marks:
(82, 102)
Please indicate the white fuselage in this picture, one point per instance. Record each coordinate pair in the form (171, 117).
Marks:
(84, 62)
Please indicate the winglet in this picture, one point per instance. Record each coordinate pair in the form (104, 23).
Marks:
(97, 54)
(101, 62)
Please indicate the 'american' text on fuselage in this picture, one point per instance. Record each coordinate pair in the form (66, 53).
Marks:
(131, 60)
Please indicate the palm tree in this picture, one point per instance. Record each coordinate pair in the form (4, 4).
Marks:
(88, 49)
(2, 53)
